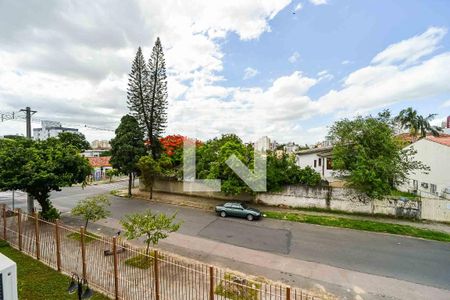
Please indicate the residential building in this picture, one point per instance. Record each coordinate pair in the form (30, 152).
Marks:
(50, 129)
(100, 144)
(99, 166)
(446, 126)
(93, 152)
(319, 159)
(434, 152)
(265, 144)
(291, 147)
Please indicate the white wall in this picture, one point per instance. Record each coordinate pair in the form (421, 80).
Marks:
(304, 160)
(437, 157)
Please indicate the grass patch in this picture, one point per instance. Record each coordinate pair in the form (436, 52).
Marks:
(37, 281)
(362, 225)
(88, 236)
(140, 261)
(397, 193)
(361, 214)
(236, 288)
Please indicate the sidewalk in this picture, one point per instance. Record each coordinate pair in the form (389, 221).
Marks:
(209, 204)
(347, 284)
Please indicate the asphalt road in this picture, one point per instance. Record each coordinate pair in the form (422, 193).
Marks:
(415, 260)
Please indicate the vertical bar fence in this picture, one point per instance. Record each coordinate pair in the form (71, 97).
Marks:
(122, 271)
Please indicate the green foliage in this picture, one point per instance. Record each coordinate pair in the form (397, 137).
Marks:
(36, 281)
(110, 173)
(367, 153)
(211, 158)
(39, 167)
(77, 140)
(236, 288)
(150, 169)
(52, 214)
(153, 227)
(140, 261)
(127, 147)
(92, 209)
(416, 124)
(361, 225)
(88, 236)
(283, 170)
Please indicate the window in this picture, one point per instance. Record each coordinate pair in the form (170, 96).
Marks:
(320, 162)
(433, 188)
(415, 184)
(329, 164)
(315, 163)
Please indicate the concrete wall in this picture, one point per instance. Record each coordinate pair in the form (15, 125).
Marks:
(328, 198)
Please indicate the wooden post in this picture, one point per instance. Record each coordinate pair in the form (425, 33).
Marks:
(58, 246)
(36, 229)
(156, 268)
(19, 224)
(288, 293)
(116, 274)
(83, 252)
(211, 283)
(4, 222)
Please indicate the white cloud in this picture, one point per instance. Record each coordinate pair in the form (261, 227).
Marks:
(249, 73)
(446, 103)
(346, 62)
(324, 75)
(294, 57)
(298, 7)
(411, 50)
(318, 2)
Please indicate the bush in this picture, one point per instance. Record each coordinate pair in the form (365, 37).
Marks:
(51, 214)
(236, 288)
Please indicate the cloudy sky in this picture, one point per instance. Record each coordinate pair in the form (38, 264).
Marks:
(286, 69)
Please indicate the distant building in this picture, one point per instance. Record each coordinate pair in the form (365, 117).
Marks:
(265, 144)
(446, 126)
(99, 166)
(434, 152)
(100, 144)
(93, 152)
(50, 129)
(291, 147)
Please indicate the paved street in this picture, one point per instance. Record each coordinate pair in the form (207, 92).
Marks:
(407, 259)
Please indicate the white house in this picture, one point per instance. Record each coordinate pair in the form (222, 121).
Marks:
(318, 159)
(435, 153)
(50, 129)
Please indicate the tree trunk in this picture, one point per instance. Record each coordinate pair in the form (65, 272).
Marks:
(85, 225)
(151, 192)
(130, 178)
(147, 249)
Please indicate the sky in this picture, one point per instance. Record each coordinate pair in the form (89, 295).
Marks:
(285, 69)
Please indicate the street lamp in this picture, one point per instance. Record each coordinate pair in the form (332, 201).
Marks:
(76, 284)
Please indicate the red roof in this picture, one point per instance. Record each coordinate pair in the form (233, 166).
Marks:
(102, 161)
(443, 139)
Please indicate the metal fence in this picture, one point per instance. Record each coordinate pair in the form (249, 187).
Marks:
(122, 271)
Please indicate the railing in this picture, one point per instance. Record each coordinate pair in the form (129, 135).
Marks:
(122, 271)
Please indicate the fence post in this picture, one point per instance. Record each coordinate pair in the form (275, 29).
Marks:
(4, 222)
(58, 246)
(116, 275)
(211, 283)
(19, 224)
(36, 229)
(83, 252)
(156, 275)
(288, 293)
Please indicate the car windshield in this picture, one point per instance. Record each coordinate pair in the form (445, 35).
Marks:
(244, 205)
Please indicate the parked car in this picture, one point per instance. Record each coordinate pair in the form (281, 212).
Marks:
(236, 209)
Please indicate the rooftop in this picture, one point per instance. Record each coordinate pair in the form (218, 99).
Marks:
(443, 139)
(102, 161)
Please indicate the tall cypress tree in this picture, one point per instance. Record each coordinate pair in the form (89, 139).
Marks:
(157, 95)
(138, 91)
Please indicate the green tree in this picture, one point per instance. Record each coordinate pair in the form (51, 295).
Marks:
(367, 153)
(110, 173)
(127, 147)
(153, 227)
(78, 140)
(157, 96)
(92, 209)
(416, 124)
(150, 169)
(39, 167)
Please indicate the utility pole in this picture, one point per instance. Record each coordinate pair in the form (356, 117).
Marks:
(29, 113)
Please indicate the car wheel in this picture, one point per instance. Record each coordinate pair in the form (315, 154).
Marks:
(250, 217)
(223, 214)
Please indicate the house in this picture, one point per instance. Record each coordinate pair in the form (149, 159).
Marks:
(99, 166)
(434, 152)
(93, 152)
(319, 159)
(50, 129)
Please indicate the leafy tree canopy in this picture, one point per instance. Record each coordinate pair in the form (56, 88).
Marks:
(367, 153)
(416, 124)
(77, 140)
(92, 209)
(39, 167)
